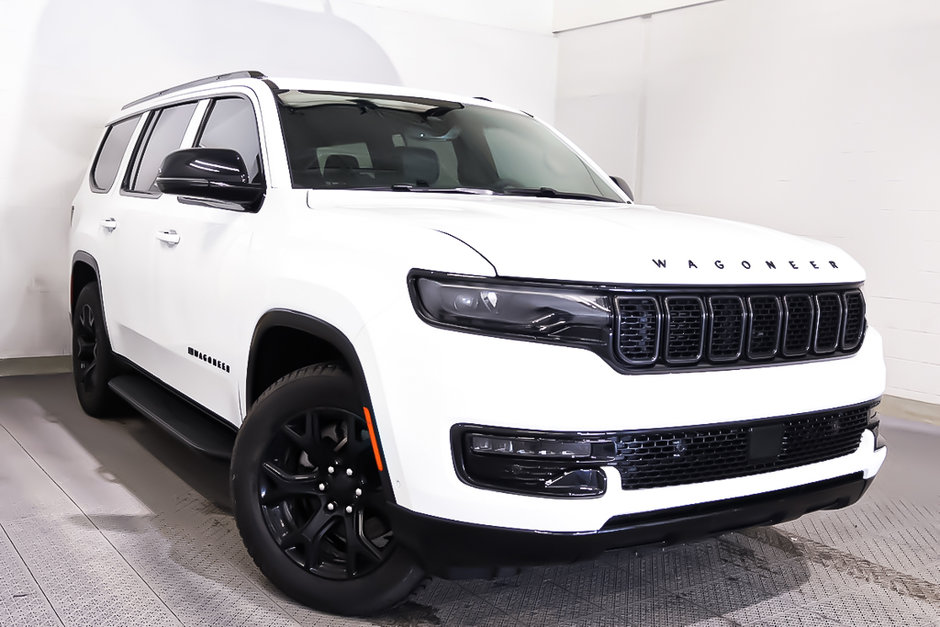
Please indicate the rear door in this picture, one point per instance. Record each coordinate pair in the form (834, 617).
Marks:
(140, 236)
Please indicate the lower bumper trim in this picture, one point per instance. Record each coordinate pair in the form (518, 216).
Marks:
(454, 549)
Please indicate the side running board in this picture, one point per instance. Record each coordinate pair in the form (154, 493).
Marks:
(179, 418)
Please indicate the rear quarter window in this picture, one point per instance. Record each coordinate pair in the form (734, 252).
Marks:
(110, 153)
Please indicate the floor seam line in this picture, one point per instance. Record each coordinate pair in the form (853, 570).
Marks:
(30, 571)
(92, 522)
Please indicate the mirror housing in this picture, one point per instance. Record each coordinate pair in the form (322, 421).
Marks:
(208, 173)
(622, 184)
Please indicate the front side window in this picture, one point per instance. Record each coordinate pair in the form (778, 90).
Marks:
(363, 141)
(231, 124)
(111, 152)
(163, 135)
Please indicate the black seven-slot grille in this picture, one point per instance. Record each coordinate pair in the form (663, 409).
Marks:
(668, 457)
(722, 328)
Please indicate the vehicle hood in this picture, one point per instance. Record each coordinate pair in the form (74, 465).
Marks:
(595, 242)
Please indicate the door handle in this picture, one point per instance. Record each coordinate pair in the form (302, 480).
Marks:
(170, 237)
(109, 224)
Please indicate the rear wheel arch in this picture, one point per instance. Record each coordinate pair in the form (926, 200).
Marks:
(84, 271)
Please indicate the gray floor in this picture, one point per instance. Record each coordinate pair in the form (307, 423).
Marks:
(114, 523)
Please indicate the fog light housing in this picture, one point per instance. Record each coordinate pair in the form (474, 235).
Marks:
(874, 424)
(543, 464)
(529, 447)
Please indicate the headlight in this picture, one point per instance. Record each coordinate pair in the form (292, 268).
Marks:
(521, 310)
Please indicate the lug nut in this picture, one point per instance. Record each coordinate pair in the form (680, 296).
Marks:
(358, 492)
(330, 470)
(330, 506)
(349, 472)
(322, 487)
(349, 509)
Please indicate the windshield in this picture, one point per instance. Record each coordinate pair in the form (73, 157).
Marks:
(363, 141)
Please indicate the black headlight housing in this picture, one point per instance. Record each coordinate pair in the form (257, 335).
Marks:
(526, 311)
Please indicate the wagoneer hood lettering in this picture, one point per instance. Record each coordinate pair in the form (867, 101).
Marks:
(606, 242)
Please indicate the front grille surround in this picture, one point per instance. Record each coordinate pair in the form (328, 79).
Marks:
(715, 327)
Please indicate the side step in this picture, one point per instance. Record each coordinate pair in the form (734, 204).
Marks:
(181, 419)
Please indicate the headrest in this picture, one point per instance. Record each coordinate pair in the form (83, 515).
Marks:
(340, 168)
(419, 166)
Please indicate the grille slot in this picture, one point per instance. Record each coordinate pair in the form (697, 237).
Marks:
(676, 328)
(828, 322)
(726, 330)
(685, 323)
(669, 457)
(854, 325)
(797, 324)
(765, 326)
(638, 329)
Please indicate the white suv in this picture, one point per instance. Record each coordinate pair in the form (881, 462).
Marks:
(435, 338)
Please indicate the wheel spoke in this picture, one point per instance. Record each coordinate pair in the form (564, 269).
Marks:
(314, 528)
(287, 485)
(87, 319)
(309, 441)
(87, 370)
(312, 548)
(357, 544)
(353, 445)
(86, 348)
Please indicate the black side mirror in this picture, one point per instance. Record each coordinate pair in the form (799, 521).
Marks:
(209, 173)
(622, 184)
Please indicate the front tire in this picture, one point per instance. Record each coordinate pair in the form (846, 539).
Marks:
(93, 363)
(309, 501)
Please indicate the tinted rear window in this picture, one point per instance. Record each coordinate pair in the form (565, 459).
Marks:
(112, 149)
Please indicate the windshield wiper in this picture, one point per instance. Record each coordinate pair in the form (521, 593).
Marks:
(549, 192)
(407, 187)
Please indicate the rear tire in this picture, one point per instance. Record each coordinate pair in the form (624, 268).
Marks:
(309, 501)
(93, 363)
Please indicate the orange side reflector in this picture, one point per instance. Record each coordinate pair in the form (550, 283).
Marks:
(375, 443)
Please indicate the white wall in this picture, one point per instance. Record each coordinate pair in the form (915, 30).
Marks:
(69, 66)
(819, 117)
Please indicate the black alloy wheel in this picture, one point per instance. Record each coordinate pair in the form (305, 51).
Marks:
(93, 363)
(321, 495)
(310, 502)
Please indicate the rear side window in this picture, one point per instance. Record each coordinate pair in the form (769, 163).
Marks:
(231, 124)
(163, 135)
(110, 153)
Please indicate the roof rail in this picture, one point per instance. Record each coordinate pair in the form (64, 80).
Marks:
(196, 83)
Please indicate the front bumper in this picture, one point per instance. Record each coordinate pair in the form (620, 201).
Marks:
(460, 550)
(423, 381)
